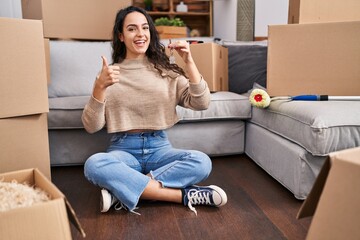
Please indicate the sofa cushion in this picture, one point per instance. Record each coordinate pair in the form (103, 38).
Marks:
(224, 105)
(247, 65)
(65, 112)
(320, 127)
(74, 66)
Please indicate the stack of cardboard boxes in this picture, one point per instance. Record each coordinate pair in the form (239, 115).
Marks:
(23, 97)
(24, 155)
(24, 75)
(319, 53)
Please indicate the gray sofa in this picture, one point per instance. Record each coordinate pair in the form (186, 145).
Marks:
(217, 131)
(289, 140)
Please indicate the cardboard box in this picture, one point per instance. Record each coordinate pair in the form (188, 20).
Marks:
(294, 8)
(319, 58)
(23, 80)
(24, 144)
(212, 62)
(167, 32)
(318, 11)
(48, 220)
(47, 59)
(334, 199)
(80, 19)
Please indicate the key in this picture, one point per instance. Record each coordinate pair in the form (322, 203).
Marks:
(171, 57)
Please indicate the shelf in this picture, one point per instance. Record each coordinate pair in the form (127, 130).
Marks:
(199, 15)
(158, 13)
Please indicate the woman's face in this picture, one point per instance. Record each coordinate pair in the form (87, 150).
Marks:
(135, 35)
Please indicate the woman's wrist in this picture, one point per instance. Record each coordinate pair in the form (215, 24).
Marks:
(99, 91)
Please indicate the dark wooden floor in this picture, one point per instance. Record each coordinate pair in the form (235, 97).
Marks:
(258, 208)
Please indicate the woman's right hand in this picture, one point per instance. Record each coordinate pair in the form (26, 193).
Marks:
(107, 77)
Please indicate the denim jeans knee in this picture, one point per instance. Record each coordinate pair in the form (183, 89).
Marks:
(202, 164)
(92, 164)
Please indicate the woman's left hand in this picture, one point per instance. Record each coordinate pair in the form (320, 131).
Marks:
(182, 47)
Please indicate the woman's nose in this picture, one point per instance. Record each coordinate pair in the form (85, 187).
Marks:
(141, 32)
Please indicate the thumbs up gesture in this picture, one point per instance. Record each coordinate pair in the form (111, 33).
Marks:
(107, 77)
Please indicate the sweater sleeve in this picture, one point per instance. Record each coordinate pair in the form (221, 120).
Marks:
(93, 116)
(193, 96)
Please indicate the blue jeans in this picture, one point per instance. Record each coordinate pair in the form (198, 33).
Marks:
(123, 167)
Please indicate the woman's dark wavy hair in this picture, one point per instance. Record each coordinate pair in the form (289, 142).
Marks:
(155, 52)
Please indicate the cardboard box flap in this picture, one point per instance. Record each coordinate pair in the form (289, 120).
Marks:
(21, 176)
(72, 217)
(308, 208)
(336, 212)
(310, 204)
(42, 182)
(348, 155)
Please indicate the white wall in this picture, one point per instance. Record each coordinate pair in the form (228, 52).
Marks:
(10, 8)
(267, 12)
(224, 19)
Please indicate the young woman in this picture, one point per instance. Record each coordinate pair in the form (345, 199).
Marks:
(135, 98)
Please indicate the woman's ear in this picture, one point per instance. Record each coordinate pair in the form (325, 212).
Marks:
(121, 37)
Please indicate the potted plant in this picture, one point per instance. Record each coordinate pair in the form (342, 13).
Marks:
(170, 28)
(148, 5)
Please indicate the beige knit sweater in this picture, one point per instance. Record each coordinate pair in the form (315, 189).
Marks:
(144, 100)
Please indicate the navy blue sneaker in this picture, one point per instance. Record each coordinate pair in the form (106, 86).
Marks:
(204, 195)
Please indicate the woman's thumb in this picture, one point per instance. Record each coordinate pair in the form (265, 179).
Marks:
(104, 61)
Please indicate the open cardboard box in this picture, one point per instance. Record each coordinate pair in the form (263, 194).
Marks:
(334, 199)
(48, 220)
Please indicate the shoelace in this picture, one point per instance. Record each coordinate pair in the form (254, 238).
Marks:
(119, 205)
(196, 197)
